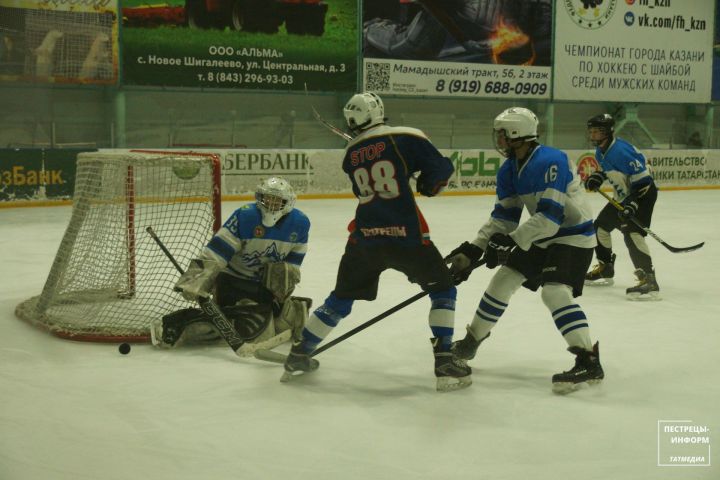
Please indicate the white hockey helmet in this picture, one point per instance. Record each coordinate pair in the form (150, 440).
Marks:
(364, 110)
(517, 124)
(275, 198)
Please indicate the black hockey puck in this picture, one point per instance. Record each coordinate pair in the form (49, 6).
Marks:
(124, 348)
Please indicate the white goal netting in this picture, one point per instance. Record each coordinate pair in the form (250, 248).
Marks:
(109, 279)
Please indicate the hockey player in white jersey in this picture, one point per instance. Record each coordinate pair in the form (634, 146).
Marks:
(550, 251)
(250, 266)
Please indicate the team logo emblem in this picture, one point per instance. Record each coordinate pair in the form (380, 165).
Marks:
(590, 14)
(259, 231)
(293, 237)
(586, 165)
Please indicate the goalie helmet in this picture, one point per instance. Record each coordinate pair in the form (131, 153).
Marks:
(364, 110)
(605, 125)
(517, 124)
(275, 198)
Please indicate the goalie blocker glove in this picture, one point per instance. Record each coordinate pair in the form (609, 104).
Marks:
(199, 279)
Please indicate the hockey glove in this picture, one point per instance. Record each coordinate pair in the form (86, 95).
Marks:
(498, 250)
(199, 279)
(630, 208)
(595, 181)
(461, 259)
(427, 188)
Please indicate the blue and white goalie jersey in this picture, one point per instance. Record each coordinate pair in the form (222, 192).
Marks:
(625, 168)
(549, 188)
(243, 245)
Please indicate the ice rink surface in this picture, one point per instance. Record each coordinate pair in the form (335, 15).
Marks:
(82, 411)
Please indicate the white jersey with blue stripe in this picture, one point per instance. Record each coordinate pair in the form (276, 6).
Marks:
(549, 188)
(625, 168)
(244, 245)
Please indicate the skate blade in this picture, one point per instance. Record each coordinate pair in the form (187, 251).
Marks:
(287, 377)
(563, 388)
(603, 282)
(644, 297)
(291, 376)
(450, 384)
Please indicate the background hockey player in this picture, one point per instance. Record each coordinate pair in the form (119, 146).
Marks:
(251, 266)
(551, 250)
(388, 231)
(634, 188)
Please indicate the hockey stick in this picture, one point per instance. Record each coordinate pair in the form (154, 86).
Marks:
(615, 204)
(208, 306)
(337, 131)
(276, 357)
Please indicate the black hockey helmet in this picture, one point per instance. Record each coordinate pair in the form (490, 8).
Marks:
(604, 121)
(606, 124)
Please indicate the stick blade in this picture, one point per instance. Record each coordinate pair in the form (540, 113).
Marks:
(269, 356)
(685, 249)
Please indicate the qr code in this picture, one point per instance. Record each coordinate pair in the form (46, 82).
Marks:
(377, 77)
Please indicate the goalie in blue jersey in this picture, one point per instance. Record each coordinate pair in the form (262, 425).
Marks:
(250, 267)
(388, 232)
(551, 250)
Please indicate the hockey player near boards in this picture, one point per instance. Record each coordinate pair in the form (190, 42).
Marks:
(551, 250)
(388, 232)
(624, 167)
(250, 266)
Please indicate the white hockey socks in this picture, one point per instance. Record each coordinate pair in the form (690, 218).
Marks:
(495, 300)
(569, 317)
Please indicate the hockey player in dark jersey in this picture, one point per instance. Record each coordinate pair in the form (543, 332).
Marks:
(251, 266)
(626, 171)
(388, 232)
(551, 250)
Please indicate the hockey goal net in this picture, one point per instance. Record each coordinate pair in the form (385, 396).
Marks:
(109, 279)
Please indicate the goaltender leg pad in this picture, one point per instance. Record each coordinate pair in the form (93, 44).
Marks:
(294, 314)
(252, 321)
(280, 279)
(168, 330)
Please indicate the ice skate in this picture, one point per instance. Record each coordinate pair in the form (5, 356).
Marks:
(452, 373)
(298, 362)
(466, 348)
(602, 274)
(587, 371)
(646, 289)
